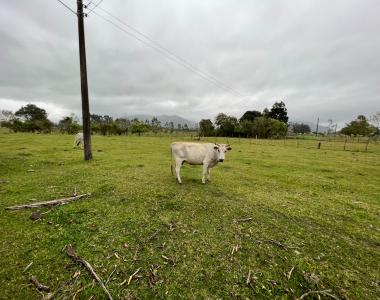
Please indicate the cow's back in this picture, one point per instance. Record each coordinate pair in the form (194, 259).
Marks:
(193, 153)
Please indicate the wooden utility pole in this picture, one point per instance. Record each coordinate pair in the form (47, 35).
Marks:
(84, 87)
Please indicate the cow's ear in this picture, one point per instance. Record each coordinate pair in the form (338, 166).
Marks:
(229, 148)
(216, 147)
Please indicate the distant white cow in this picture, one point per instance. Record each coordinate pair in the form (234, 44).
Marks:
(78, 140)
(208, 155)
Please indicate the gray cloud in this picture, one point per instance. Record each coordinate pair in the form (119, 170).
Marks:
(320, 57)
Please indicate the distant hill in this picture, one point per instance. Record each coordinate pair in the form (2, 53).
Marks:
(166, 118)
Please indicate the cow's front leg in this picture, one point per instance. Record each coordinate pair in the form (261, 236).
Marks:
(178, 165)
(209, 174)
(205, 172)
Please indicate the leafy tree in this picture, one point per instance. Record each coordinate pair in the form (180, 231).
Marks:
(279, 112)
(226, 125)
(31, 118)
(122, 125)
(300, 128)
(7, 119)
(185, 127)
(155, 125)
(331, 127)
(250, 115)
(6, 116)
(246, 128)
(266, 113)
(268, 127)
(375, 120)
(31, 112)
(102, 124)
(360, 126)
(171, 127)
(206, 128)
(69, 125)
(278, 129)
(139, 127)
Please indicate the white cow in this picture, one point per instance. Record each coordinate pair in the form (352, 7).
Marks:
(208, 155)
(78, 139)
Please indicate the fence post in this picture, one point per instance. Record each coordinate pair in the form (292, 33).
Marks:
(319, 145)
(256, 139)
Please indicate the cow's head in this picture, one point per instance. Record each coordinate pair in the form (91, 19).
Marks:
(221, 150)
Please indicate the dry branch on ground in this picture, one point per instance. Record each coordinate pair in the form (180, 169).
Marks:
(50, 203)
(72, 254)
(39, 285)
(325, 293)
(242, 220)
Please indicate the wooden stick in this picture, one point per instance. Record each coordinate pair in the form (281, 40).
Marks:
(72, 254)
(131, 277)
(242, 220)
(38, 285)
(153, 235)
(249, 277)
(290, 273)
(277, 243)
(28, 266)
(325, 292)
(55, 202)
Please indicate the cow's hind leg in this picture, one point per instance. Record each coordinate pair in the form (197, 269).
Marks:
(178, 164)
(209, 174)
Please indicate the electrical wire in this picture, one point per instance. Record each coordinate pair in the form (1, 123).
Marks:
(68, 7)
(96, 5)
(168, 54)
(183, 60)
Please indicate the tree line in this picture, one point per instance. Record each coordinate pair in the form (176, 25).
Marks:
(31, 118)
(270, 123)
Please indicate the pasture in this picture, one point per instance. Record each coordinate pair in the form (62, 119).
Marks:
(276, 221)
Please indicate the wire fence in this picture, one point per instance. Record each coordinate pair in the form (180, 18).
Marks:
(337, 143)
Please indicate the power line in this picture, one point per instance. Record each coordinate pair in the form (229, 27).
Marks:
(68, 7)
(163, 51)
(170, 52)
(96, 5)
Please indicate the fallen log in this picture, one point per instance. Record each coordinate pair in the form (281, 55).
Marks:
(73, 255)
(50, 203)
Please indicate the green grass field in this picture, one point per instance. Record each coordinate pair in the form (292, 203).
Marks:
(313, 211)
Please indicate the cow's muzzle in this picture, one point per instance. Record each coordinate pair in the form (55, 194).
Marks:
(221, 160)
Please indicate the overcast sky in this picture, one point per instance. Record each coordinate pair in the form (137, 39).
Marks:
(320, 57)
